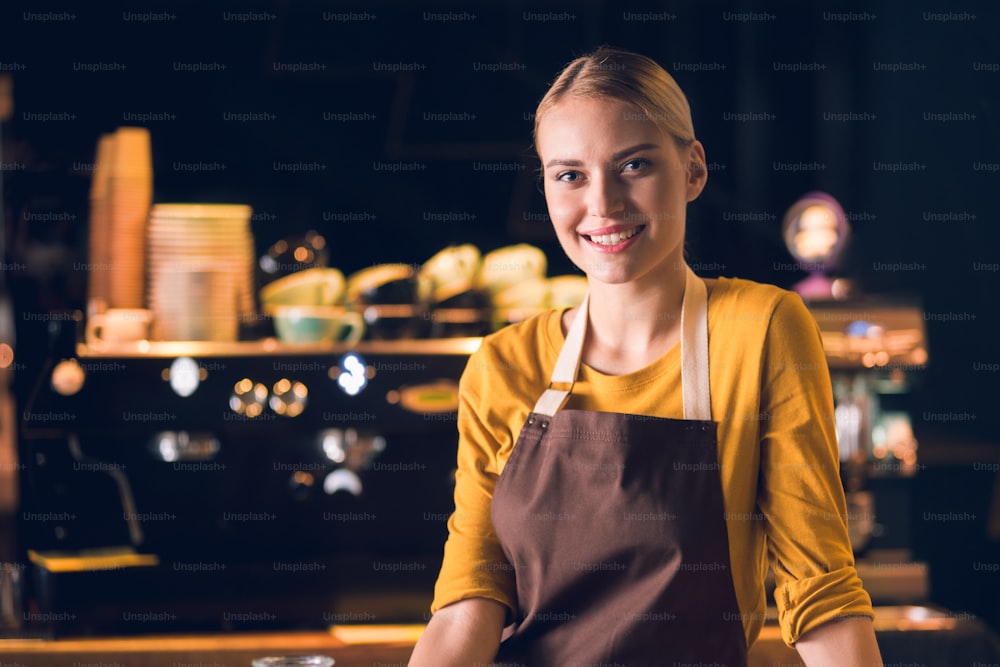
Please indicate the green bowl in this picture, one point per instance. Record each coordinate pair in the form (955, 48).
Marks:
(300, 325)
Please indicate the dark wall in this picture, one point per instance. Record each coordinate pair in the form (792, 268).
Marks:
(892, 109)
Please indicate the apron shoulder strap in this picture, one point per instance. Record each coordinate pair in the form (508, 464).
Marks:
(694, 350)
(567, 366)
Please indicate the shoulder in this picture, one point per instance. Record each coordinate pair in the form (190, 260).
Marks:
(740, 301)
(521, 349)
(756, 319)
(531, 333)
(747, 292)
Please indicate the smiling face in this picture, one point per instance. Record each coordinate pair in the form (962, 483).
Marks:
(617, 187)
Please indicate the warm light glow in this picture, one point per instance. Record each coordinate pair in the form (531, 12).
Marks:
(303, 478)
(841, 289)
(277, 405)
(817, 234)
(68, 377)
(248, 398)
(6, 355)
(289, 398)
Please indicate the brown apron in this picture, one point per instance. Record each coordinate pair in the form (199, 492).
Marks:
(615, 526)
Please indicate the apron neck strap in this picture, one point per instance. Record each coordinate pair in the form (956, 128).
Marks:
(694, 355)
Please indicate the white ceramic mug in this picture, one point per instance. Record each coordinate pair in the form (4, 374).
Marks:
(119, 325)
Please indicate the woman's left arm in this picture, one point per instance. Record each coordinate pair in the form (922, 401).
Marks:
(800, 492)
(846, 643)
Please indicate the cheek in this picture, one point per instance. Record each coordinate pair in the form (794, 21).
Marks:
(563, 207)
(667, 200)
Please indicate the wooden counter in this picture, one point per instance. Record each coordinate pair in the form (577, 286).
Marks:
(360, 646)
(906, 635)
(357, 646)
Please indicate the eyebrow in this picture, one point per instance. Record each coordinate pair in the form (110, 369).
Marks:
(614, 158)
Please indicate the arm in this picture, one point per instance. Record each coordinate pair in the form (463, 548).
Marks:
(461, 634)
(800, 491)
(846, 643)
(475, 590)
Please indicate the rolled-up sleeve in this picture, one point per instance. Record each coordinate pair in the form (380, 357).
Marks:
(801, 494)
(474, 564)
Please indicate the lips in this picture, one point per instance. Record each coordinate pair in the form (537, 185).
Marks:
(612, 237)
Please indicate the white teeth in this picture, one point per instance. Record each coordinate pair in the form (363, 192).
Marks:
(612, 239)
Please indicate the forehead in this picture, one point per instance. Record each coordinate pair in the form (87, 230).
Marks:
(586, 124)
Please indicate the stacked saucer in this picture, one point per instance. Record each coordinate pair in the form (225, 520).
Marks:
(200, 270)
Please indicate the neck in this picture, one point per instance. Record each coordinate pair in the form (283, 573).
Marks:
(633, 324)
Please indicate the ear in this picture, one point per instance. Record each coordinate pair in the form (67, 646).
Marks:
(697, 170)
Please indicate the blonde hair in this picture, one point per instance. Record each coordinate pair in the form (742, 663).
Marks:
(631, 78)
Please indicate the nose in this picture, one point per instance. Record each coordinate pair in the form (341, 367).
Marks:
(605, 196)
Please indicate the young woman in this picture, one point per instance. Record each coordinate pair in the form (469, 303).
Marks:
(628, 469)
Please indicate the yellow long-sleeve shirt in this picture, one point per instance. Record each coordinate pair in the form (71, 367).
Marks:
(770, 394)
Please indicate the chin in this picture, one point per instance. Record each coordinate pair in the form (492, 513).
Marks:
(616, 277)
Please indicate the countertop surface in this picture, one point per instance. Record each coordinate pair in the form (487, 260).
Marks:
(350, 646)
(908, 635)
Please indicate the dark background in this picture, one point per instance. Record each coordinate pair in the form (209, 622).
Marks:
(744, 62)
(730, 58)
